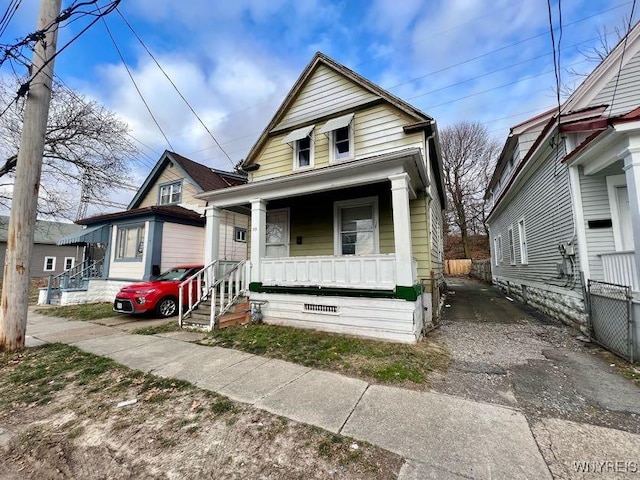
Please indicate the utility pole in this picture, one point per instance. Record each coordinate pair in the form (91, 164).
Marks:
(15, 286)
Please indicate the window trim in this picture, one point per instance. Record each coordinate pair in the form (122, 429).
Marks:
(296, 151)
(337, 222)
(170, 184)
(522, 238)
(496, 258)
(500, 251)
(53, 264)
(239, 230)
(73, 263)
(332, 143)
(140, 240)
(512, 245)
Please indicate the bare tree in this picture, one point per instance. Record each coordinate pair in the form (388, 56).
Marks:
(86, 146)
(468, 155)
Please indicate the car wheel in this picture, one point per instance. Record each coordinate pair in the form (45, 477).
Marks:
(167, 307)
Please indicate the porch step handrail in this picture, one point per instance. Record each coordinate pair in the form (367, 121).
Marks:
(226, 291)
(202, 280)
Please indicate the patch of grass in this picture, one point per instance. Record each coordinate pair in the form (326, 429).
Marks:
(383, 362)
(37, 373)
(87, 311)
(223, 405)
(165, 327)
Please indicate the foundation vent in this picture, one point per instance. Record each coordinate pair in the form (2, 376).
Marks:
(312, 307)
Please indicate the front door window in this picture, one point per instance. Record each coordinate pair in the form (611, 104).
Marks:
(277, 234)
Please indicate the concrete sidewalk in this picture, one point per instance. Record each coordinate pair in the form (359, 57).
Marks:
(439, 435)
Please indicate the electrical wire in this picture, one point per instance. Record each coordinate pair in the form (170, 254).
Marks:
(144, 101)
(176, 88)
(624, 47)
(11, 10)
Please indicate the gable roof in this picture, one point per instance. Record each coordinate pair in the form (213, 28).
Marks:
(203, 178)
(577, 105)
(318, 60)
(46, 232)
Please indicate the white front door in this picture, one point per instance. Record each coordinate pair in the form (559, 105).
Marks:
(277, 234)
(624, 215)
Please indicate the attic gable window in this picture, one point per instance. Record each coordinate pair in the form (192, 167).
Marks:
(170, 193)
(301, 141)
(340, 133)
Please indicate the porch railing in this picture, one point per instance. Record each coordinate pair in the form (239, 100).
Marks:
(366, 271)
(74, 277)
(620, 268)
(219, 282)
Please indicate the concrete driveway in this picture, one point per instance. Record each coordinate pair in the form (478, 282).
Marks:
(584, 415)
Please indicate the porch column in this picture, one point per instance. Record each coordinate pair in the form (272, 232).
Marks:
(632, 172)
(212, 235)
(258, 236)
(400, 189)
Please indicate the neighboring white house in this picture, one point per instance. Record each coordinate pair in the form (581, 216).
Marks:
(162, 227)
(566, 200)
(346, 197)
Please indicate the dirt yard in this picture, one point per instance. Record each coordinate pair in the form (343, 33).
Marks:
(68, 414)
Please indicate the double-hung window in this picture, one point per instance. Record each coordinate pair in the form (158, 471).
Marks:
(301, 141)
(69, 262)
(341, 137)
(130, 243)
(170, 193)
(240, 234)
(524, 254)
(356, 227)
(49, 264)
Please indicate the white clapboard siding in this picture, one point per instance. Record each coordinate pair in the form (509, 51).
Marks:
(181, 244)
(626, 92)
(326, 92)
(595, 206)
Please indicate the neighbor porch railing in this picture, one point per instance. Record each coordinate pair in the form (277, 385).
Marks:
(620, 268)
(74, 277)
(357, 271)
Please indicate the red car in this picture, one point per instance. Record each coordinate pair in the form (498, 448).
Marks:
(159, 295)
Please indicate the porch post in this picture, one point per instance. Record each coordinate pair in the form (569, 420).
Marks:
(400, 189)
(211, 235)
(632, 173)
(258, 236)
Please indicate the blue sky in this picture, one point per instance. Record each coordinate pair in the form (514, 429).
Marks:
(475, 60)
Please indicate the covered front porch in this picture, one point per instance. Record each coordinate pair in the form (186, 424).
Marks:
(341, 248)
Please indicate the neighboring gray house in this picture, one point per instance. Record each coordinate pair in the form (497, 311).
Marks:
(48, 258)
(566, 205)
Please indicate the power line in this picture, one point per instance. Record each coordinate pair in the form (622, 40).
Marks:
(11, 10)
(624, 47)
(176, 88)
(124, 63)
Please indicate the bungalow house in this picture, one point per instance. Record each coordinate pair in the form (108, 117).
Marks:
(47, 258)
(346, 197)
(565, 217)
(162, 227)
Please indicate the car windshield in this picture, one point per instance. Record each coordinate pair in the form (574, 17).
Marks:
(174, 274)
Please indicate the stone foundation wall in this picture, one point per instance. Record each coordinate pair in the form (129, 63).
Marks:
(567, 307)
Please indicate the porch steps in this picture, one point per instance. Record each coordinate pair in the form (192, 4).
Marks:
(238, 314)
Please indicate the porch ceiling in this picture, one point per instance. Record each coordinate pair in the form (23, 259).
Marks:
(334, 177)
(602, 150)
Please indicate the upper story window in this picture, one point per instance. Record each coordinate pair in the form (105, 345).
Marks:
(341, 134)
(170, 193)
(301, 141)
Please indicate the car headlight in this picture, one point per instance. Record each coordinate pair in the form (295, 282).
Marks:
(145, 291)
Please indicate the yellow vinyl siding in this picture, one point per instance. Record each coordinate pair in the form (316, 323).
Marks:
(420, 236)
(314, 223)
(325, 93)
(169, 175)
(377, 130)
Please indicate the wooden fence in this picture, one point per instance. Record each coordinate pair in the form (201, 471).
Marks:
(481, 269)
(457, 267)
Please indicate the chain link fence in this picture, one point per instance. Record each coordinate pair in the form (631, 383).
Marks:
(611, 317)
